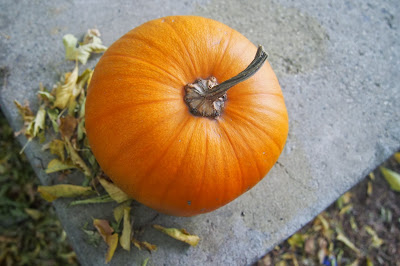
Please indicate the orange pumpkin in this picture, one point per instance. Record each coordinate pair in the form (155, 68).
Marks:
(171, 140)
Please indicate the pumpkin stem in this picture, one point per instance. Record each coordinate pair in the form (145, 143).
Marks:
(205, 97)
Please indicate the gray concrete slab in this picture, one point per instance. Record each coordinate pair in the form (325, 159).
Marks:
(338, 65)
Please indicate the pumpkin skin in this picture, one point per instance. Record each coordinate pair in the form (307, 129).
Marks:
(144, 137)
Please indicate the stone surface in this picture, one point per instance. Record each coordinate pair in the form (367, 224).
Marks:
(338, 66)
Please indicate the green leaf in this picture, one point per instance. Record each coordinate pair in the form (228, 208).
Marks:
(56, 147)
(392, 178)
(51, 193)
(179, 234)
(100, 199)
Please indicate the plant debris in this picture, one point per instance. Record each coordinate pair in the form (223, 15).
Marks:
(61, 115)
(361, 228)
(179, 234)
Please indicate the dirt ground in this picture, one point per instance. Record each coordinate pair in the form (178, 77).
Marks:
(361, 228)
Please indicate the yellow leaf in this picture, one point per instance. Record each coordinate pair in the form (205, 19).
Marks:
(346, 209)
(145, 262)
(34, 214)
(369, 262)
(324, 222)
(119, 210)
(392, 178)
(369, 188)
(63, 92)
(397, 156)
(296, 241)
(179, 234)
(125, 240)
(143, 244)
(76, 159)
(106, 232)
(117, 194)
(39, 121)
(56, 165)
(340, 237)
(112, 242)
(51, 193)
(376, 241)
(24, 111)
(372, 176)
(57, 148)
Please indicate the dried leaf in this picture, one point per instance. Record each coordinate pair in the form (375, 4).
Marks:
(369, 188)
(309, 246)
(112, 242)
(346, 209)
(92, 44)
(103, 227)
(106, 232)
(392, 178)
(25, 111)
(51, 193)
(76, 159)
(119, 210)
(376, 241)
(39, 120)
(143, 244)
(67, 126)
(340, 237)
(353, 223)
(63, 92)
(56, 165)
(179, 234)
(56, 147)
(117, 194)
(397, 156)
(70, 45)
(125, 239)
(372, 176)
(34, 214)
(45, 95)
(145, 262)
(296, 241)
(324, 222)
(53, 116)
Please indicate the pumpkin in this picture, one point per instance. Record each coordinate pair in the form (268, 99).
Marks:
(171, 122)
